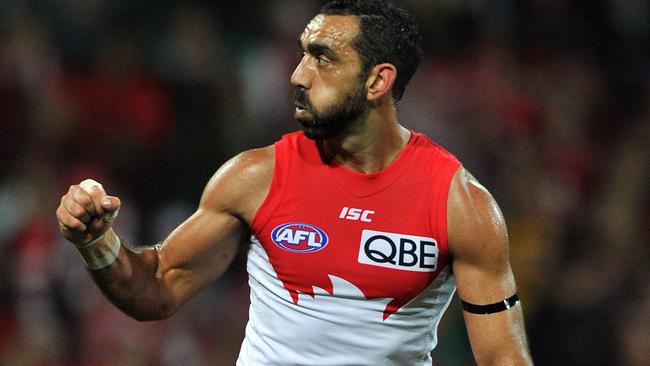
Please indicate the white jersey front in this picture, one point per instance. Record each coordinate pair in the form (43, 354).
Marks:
(341, 328)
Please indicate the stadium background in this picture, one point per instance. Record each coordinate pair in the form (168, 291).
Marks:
(546, 101)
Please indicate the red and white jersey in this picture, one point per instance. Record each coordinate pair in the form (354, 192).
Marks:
(348, 268)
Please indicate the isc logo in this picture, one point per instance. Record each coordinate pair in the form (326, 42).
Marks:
(356, 214)
(299, 237)
(398, 251)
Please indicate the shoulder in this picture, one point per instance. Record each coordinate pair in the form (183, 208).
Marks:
(476, 226)
(467, 194)
(240, 185)
(250, 164)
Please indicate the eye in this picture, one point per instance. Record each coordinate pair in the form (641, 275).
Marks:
(322, 60)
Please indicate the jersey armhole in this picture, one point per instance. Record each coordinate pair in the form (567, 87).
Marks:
(276, 191)
(448, 173)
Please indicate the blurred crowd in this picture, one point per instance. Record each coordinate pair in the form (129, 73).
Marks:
(546, 101)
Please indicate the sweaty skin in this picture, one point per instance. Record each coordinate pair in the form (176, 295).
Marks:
(478, 241)
(154, 283)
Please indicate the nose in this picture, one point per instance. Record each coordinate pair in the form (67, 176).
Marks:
(300, 75)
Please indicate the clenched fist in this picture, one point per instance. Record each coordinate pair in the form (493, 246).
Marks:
(86, 212)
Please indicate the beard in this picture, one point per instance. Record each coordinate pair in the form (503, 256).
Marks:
(334, 118)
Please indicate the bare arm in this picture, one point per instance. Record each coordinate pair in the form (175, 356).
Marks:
(153, 283)
(478, 242)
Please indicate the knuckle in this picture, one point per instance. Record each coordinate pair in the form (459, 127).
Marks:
(65, 200)
(66, 223)
(84, 199)
(60, 213)
(77, 225)
(77, 211)
(69, 223)
(74, 191)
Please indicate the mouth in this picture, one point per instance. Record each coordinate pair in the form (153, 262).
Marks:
(301, 111)
(299, 106)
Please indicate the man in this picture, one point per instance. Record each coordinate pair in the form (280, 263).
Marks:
(355, 224)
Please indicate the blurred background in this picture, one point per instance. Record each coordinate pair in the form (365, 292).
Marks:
(545, 101)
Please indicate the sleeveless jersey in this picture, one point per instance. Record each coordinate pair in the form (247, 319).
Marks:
(347, 268)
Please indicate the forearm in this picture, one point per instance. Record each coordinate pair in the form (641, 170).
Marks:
(499, 339)
(152, 283)
(131, 281)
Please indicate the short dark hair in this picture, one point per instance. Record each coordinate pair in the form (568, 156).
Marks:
(387, 33)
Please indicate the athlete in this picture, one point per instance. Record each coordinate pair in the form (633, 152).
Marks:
(358, 230)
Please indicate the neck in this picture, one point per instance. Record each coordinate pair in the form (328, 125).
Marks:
(370, 144)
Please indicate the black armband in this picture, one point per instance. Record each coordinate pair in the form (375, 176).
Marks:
(497, 307)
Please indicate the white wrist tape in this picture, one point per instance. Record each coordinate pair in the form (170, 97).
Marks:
(101, 256)
(90, 243)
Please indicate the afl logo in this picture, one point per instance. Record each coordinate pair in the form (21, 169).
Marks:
(299, 237)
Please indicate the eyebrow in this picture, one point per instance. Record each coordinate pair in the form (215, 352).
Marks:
(318, 48)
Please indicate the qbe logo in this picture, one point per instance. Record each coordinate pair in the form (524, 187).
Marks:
(398, 251)
(299, 237)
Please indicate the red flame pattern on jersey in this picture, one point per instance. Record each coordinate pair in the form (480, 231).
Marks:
(408, 198)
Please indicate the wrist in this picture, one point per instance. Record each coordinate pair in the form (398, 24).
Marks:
(92, 242)
(100, 252)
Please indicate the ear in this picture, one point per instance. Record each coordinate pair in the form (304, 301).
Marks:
(380, 81)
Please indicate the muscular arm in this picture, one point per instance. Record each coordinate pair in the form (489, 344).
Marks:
(153, 283)
(478, 242)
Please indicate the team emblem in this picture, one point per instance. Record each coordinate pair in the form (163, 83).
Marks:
(299, 237)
